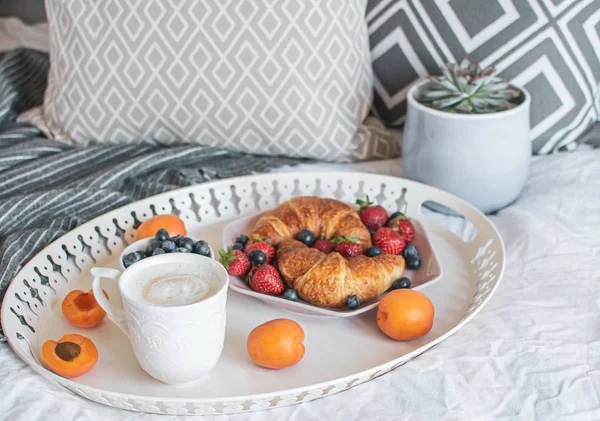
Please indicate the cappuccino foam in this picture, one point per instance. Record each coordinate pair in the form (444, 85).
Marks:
(176, 290)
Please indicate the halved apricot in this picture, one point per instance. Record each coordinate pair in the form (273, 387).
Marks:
(82, 309)
(72, 356)
(172, 223)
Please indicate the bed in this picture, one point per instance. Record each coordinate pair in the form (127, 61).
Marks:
(532, 354)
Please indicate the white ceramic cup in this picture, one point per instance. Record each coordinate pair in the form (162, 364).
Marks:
(174, 344)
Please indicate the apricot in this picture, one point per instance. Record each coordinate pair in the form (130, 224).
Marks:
(172, 223)
(82, 309)
(72, 356)
(405, 314)
(276, 344)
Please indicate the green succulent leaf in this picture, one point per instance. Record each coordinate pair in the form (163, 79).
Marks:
(475, 86)
(478, 102)
(467, 88)
(444, 84)
(448, 102)
(435, 94)
(464, 107)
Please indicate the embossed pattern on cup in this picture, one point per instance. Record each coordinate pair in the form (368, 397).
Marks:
(174, 344)
(179, 347)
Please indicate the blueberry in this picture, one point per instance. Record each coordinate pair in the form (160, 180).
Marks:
(373, 251)
(151, 247)
(257, 257)
(410, 251)
(182, 250)
(130, 259)
(352, 302)
(290, 294)
(185, 242)
(158, 251)
(413, 263)
(162, 234)
(372, 232)
(238, 246)
(395, 215)
(307, 237)
(202, 248)
(169, 246)
(242, 239)
(176, 238)
(401, 283)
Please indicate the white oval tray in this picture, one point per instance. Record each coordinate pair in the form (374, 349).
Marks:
(340, 352)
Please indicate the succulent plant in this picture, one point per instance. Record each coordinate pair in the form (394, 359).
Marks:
(469, 89)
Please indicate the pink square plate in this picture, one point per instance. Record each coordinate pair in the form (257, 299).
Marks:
(429, 273)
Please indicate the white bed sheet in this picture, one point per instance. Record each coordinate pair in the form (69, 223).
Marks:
(533, 353)
(14, 33)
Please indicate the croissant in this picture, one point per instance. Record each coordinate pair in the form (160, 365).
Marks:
(328, 218)
(329, 279)
(319, 278)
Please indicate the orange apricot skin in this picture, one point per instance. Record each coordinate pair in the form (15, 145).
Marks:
(405, 314)
(276, 344)
(83, 363)
(172, 223)
(82, 310)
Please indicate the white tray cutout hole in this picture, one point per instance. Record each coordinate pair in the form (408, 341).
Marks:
(450, 219)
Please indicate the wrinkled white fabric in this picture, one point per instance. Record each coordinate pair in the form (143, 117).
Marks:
(532, 354)
(14, 33)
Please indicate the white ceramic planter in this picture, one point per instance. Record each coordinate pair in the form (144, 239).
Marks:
(482, 158)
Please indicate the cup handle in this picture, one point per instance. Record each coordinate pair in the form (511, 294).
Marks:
(116, 315)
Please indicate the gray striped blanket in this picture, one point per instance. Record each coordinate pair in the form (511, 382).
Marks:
(47, 188)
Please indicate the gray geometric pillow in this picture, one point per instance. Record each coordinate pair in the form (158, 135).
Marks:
(269, 77)
(550, 47)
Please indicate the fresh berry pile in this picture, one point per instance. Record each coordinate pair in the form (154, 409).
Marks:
(163, 244)
(254, 263)
(390, 234)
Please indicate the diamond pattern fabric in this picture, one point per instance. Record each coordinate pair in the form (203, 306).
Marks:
(549, 47)
(286, 77)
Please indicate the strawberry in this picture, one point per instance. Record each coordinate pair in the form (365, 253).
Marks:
(235, 261)
(389, 241)
(326, 246)
(266, 280)
(349, 249)
(265, 247)
(374, 217)
(403, 225)
(348, 246)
